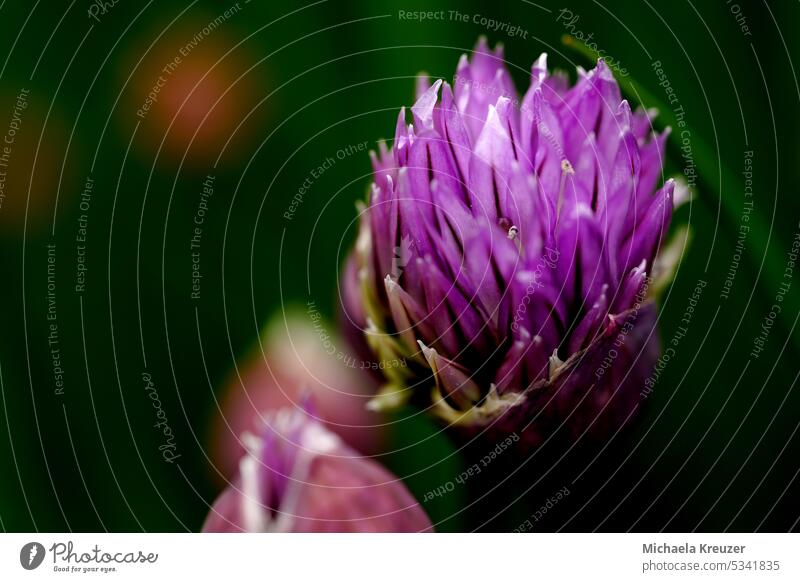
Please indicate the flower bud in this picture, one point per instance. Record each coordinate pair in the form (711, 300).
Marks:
(298, 476)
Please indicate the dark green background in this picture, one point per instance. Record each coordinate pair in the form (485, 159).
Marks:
(327, 76)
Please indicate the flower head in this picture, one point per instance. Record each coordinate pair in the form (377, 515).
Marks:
(508, 246)
(297, 476)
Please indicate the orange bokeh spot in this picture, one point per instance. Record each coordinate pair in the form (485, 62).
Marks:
(188, 94)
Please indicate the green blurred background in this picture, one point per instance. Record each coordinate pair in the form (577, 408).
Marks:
(260, 100)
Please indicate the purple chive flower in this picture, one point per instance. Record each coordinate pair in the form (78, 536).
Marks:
(300, 477)
(508, 250)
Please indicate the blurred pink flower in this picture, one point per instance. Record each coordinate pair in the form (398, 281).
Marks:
(298, 355)
(300, 477)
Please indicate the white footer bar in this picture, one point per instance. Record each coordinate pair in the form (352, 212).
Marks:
(393, 557)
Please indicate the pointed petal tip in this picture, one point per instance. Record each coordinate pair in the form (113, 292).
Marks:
(422, 110)
(603, 71)
(554, 364)
(426, 351)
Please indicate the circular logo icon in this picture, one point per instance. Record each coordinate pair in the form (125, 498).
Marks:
(31, 555)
